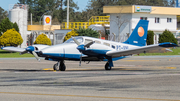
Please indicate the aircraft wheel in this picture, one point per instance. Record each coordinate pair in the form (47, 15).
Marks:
(55, 67)
(62, 67)
(107, 67)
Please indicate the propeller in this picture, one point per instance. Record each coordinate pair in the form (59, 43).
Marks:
(31, 49)
(75, 40)
(36, 56)
(82, 47)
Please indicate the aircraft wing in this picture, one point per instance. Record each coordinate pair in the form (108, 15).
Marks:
(144, 49)
(14, 49)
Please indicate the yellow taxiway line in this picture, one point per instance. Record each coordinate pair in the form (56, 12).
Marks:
(41, 94)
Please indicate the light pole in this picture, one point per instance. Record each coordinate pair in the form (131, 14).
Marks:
(42, 16)
(67, 14)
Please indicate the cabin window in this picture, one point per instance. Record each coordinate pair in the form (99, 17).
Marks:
(169, 20)
(96, 41)
(157, 20)
(107, 44)
(113, 46)
(87, 41)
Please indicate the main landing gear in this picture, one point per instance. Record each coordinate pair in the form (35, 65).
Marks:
(107, 66)
(59, 66)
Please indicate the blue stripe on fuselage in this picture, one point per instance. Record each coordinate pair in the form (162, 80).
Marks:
(73, 57)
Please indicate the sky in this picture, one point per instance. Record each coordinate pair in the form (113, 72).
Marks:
(5, 4)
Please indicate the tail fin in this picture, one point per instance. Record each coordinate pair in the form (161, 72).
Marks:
(139, 34)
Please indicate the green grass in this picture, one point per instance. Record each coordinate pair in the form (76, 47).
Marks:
(6, 54)
(176, 51)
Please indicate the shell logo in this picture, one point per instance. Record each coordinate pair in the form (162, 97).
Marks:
(47, 20)
(141, 31)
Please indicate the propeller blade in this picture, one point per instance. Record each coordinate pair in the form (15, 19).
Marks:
(75, 40)
(88, 44)
(36, 56)
(80, 60)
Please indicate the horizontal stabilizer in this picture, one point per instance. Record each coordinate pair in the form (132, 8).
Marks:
(13, 49)
(138, 50)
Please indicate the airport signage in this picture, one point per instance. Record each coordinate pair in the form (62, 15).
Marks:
(47, 20)
(143, 8)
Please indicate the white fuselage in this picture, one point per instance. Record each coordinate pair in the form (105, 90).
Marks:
(69, 49)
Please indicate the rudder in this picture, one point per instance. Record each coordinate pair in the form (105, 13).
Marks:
(139, 34)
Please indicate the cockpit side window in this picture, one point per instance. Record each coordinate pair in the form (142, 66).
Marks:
(87, 41)
(80, 40)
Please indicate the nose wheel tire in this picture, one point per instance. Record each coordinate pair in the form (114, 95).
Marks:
(55, 67)
(107, 67)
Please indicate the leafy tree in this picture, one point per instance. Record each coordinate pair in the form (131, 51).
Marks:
(69, 34)
(150, 38)
(42, 39)
(3, 14)
(5, 25)
(88, 32)
(11, 38)
(167, 36)
(15, 26)
(56, 8)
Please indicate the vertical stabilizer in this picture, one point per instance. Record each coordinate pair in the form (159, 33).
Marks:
(139, 35)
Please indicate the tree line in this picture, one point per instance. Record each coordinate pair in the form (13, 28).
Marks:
(58, 8)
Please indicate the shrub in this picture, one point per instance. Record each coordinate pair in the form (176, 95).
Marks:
(11, 38)
(88, 32)
(5, 25)
(69, 34)
(42, 39)
(167, 36)
(150, 38)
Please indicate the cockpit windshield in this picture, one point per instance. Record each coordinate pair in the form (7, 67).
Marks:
(80, 40)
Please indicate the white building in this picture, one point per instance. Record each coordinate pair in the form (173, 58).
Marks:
(123, 19)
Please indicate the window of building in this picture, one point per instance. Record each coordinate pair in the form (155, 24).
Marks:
(143, 18)
(157, 20)
(169, 19)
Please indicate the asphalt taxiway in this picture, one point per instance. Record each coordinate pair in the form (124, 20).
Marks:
(150, 78)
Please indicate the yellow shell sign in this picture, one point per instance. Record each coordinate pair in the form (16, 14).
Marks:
(47, 19)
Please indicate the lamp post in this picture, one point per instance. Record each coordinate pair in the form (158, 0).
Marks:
(42, 16)
(67, 14)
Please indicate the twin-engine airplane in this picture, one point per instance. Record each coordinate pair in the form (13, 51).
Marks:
(84, 48)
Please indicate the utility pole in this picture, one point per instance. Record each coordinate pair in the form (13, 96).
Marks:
(67, 14)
